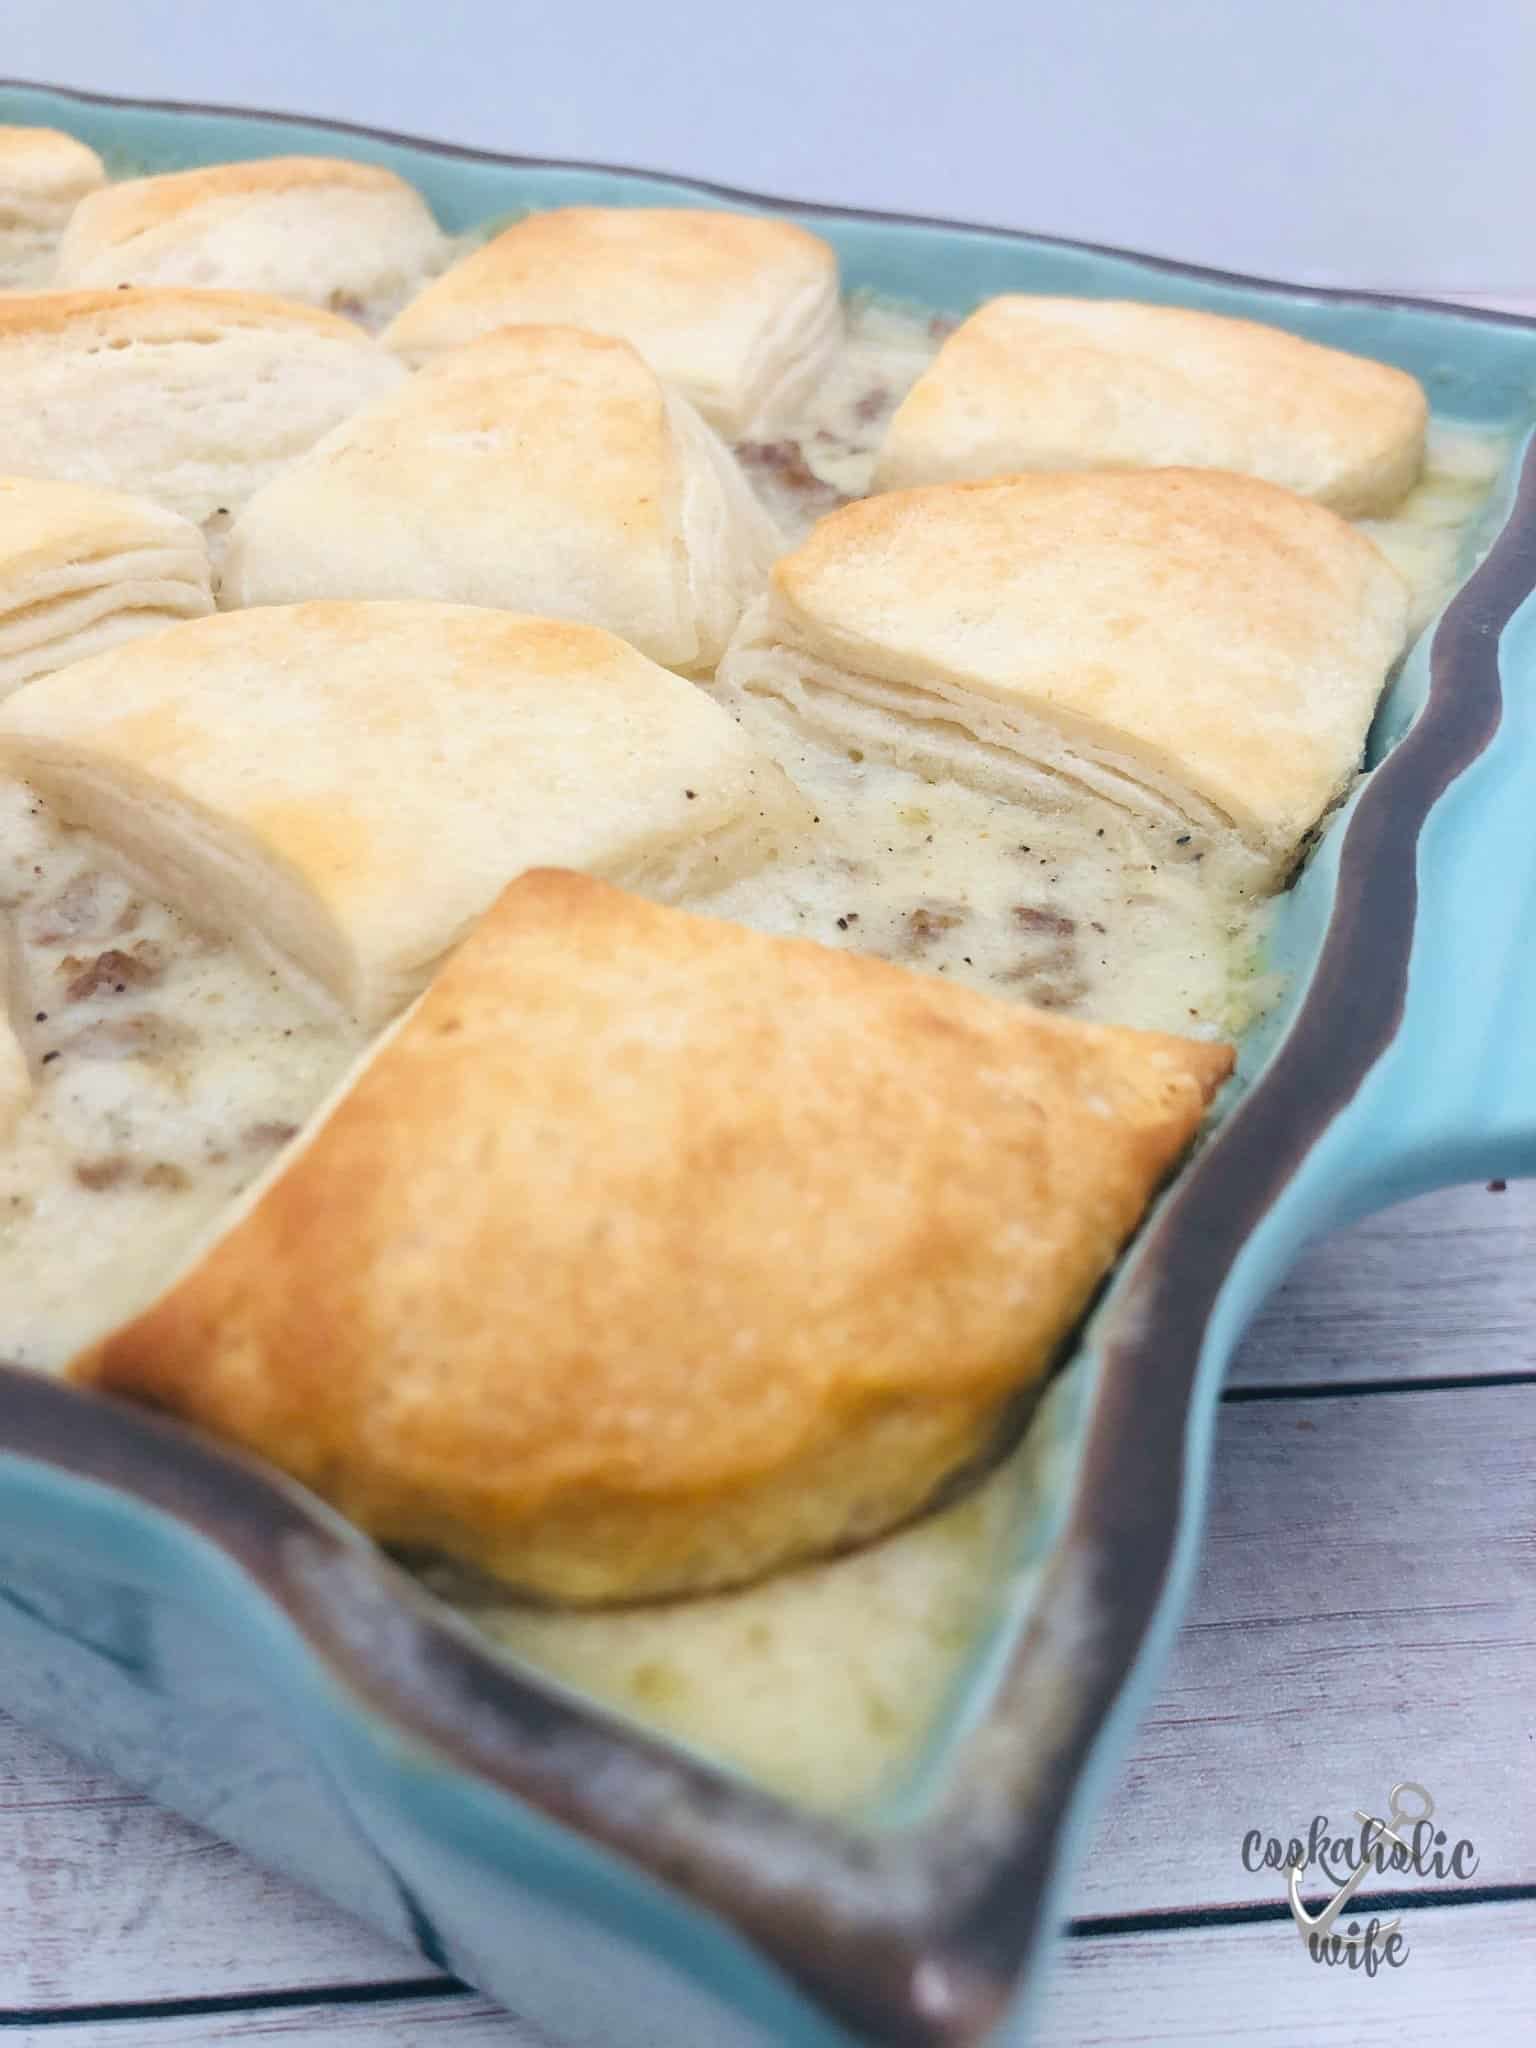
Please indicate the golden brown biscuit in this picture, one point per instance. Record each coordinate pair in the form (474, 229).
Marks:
(649, 1253)
(739, 312)
(539, 469)
(83, 568)
(351, 237)
(191, 398)
(43, 175)
(1064, 384)
(344, 787)
(1198, 648)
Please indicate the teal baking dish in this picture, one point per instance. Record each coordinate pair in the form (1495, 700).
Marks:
(207, 1631)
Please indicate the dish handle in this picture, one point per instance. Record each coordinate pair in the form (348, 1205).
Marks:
(1453, 1096)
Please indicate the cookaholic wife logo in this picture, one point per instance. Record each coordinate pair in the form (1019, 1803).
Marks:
(1406, 1840)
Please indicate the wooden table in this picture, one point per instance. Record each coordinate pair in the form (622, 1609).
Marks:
(1365, 1612)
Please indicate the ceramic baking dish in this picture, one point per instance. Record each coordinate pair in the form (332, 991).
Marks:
(211, 1634)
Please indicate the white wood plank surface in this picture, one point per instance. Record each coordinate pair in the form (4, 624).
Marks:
(105, 1898)
(1467, 1978)
(458, 2022)
(1365, 1610)
(1437, 1288)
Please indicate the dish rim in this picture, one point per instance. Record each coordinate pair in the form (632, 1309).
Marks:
(922, 1932)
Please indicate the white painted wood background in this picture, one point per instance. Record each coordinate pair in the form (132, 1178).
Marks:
(1365, 1611)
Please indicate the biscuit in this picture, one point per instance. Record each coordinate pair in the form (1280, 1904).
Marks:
(649, 1254)
(344, 788)
(540, 469)
(191, 398)
(43, 175)
(738, 312)
(1194, 647)
(1069, 384)
(351, 237)
(82, 568)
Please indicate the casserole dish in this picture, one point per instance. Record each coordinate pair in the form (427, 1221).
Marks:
(211, 1634)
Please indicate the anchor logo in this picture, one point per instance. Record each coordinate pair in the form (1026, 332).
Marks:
(1317, 1928)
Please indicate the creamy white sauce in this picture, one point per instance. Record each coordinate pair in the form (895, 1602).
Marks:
(1082, 911)
(167, 1069)
(828, 456)
(822, 1682)
(1425, 538)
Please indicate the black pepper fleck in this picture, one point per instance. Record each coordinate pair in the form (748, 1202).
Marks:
(47, 1056)
(690, 794)
(41, 1017)
(1183, 839)
(842, 924)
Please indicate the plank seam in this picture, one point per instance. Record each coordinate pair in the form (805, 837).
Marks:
(1338, 1390)
(417, 1990)
(1184, 1919)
